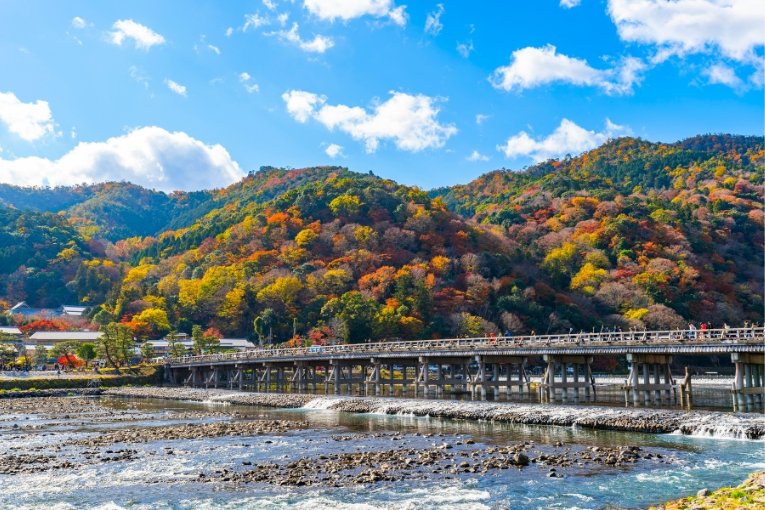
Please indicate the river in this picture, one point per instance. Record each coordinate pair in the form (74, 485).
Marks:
(165, 474)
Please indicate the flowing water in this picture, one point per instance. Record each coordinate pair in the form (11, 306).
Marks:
(157, 480)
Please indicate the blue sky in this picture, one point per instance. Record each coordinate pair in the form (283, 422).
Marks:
(189, 94)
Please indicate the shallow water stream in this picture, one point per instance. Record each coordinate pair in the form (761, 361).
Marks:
(152, 478)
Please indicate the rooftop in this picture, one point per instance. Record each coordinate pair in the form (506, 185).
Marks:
(61, 336)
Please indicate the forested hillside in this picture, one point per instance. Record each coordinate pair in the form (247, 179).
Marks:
(632, 235)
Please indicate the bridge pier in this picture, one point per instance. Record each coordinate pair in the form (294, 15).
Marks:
(749, 382)
(496, 384)
(559, 365)
(648, 365)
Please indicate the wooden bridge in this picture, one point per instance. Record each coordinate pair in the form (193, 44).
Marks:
(488, 364)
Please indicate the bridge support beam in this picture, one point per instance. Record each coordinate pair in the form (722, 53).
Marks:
(647, 367)
(749, 382)
(559, 365)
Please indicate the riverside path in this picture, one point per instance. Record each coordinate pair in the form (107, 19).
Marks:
(487, 364)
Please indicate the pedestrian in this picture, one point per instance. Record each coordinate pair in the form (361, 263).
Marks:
(703, 329)
(691, 331)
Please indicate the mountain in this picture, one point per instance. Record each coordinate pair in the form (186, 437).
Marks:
(632, 234)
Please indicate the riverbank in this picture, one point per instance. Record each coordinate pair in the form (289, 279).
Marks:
(696, 423)
(750, 495)
(146, 374)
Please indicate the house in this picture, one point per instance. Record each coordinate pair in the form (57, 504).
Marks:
(9, 330)
(72, 310)
(49, 338)
(22, 308)
(227, 344)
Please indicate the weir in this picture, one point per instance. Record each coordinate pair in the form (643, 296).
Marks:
(487, 367)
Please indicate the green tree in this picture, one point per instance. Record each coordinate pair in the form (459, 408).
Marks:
(356, 311)
(41, 355)
(86, 352)
(175, 348)
(147, 350)
(116, 345)
(203, 342)
(103, 317)
(7, 354)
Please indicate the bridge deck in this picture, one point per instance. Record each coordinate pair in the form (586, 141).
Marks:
(715, 341)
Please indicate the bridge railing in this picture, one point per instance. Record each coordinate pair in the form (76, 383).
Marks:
(724, 335)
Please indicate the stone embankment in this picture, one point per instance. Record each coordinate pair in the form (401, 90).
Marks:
(702, 423)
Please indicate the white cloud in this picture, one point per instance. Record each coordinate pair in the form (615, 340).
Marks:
(301, 104)
(409, 121)
(723, 75)
(333, 150)
(244, 79)
(29, 121)
(229, 31)
(214, 49)
(732, 27)
(139, 76)
(433, 23)
(143, 37)
(149, 156)
(568, 138)
(79, 23)
(176, 87)
(480, 118)
(347, 10)
(570, 4)
(319, 44)
(477, 156)
(465, 48)
(254, 21)
(270, 4)
(282, 18)
(533, 67)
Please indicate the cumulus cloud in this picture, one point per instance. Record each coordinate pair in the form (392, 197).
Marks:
(332, 10)
(733, 28)
(319, 44)
(333, 150)
(409, 121)
(570, 4)
(176, 87)
(143, 37)
(79, 23)
(29, 121)
(433, 23)
(149, 156)
(246, 80)
(477, 156)
(533, 67)
(723, 75)
(568, 138)
(301, 105)
(269, 4)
